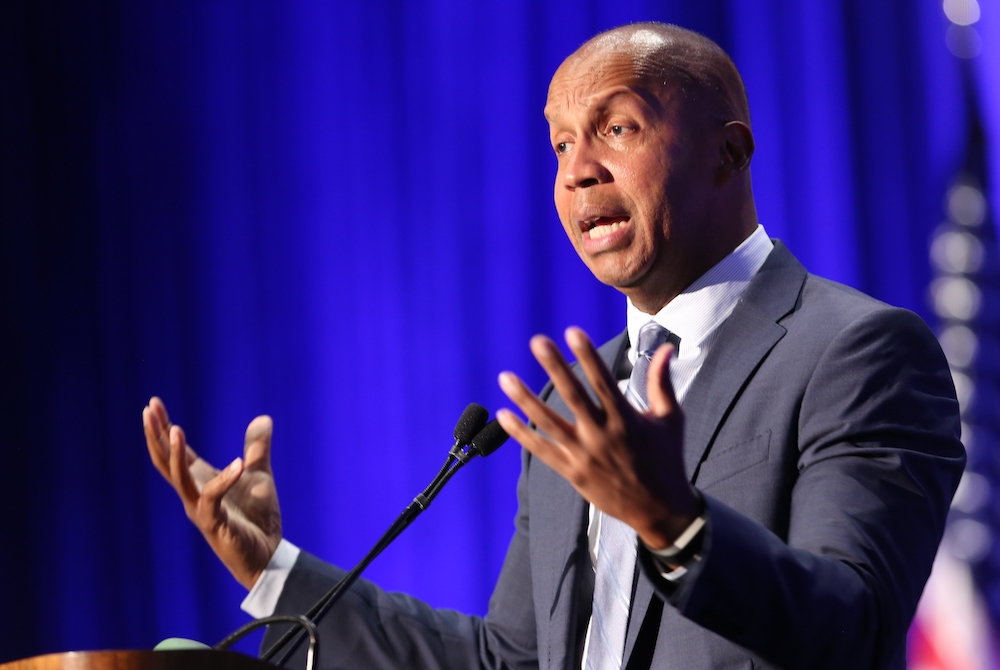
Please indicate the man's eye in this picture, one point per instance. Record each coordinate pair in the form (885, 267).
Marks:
(618, 131)
(562, 147)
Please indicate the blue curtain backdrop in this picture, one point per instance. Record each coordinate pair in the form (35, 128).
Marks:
(339, 214)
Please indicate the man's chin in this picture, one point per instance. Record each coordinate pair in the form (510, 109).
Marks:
(639, 286)
(623, 277)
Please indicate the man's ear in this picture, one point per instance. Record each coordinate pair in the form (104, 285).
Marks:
(737, 149)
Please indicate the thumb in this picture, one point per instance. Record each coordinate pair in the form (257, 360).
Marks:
(217, 487)
(257, 444)
(659, 389)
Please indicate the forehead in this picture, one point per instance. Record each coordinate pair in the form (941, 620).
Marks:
(589, 77)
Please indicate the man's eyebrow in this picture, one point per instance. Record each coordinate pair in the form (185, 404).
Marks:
(600, 101)
(646, 96)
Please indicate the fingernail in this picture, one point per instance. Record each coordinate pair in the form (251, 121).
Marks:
(234, 465)
(505, 416)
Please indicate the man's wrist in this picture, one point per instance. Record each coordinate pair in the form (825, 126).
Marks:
(664, 532)
(686, 547)
(263, 597)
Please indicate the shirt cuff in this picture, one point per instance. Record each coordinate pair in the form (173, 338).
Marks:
(263, 597)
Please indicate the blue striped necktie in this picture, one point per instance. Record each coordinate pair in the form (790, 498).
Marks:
(616, 542)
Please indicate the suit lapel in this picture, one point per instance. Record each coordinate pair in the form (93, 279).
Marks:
(744, 340)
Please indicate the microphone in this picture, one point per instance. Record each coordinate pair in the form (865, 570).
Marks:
(473, 419)
(489, 439)
(472, 439)
(484, 443)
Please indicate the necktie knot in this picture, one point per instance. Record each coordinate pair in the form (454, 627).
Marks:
(651, 337)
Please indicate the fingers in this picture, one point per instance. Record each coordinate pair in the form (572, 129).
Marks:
(201, 471)
(659, 389)
(200, 503)
(215, 488)
(156, 441)
(569, 387)
(528, 438)
(567, 384)
(257, 444)
(180, 474)
(601, 379)
(558, 428)
(160, 410)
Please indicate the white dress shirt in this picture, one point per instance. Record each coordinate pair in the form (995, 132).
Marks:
(694, 316)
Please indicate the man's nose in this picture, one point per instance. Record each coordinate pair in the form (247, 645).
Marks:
(584, 167)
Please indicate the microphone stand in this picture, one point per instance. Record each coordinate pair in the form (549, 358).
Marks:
(457, 457)
(484, 441)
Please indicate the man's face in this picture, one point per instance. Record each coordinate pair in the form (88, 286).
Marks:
(634, 171)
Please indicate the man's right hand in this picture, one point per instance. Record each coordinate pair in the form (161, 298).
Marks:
(236, 509)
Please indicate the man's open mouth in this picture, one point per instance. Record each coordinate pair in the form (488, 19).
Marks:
(605, 225)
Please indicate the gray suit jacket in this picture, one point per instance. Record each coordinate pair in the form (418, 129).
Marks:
(822, 431)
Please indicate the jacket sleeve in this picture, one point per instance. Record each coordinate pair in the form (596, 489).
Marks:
(372, 628)
(877, 461)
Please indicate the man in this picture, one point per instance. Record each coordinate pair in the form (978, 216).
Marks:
(787, 518)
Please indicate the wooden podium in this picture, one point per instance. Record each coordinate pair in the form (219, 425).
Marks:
(186, 659)
(169, 656)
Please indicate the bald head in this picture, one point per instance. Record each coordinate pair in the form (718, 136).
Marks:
(650, 126)
(673, 56)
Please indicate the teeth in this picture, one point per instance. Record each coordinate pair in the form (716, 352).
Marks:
(603, 230)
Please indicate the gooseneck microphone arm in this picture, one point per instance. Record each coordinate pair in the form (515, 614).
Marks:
(308, 628)
(469, 431)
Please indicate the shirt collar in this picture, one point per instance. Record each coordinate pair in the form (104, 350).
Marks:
(698, 310)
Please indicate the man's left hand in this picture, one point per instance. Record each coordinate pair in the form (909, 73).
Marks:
(628, 463)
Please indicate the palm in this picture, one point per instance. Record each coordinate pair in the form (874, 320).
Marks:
(248, 515)
(235, 508)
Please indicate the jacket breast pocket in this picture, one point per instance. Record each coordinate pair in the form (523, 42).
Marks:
(733, 460)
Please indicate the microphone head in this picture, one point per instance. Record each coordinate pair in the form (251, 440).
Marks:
(488, 439)
(470, 423)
